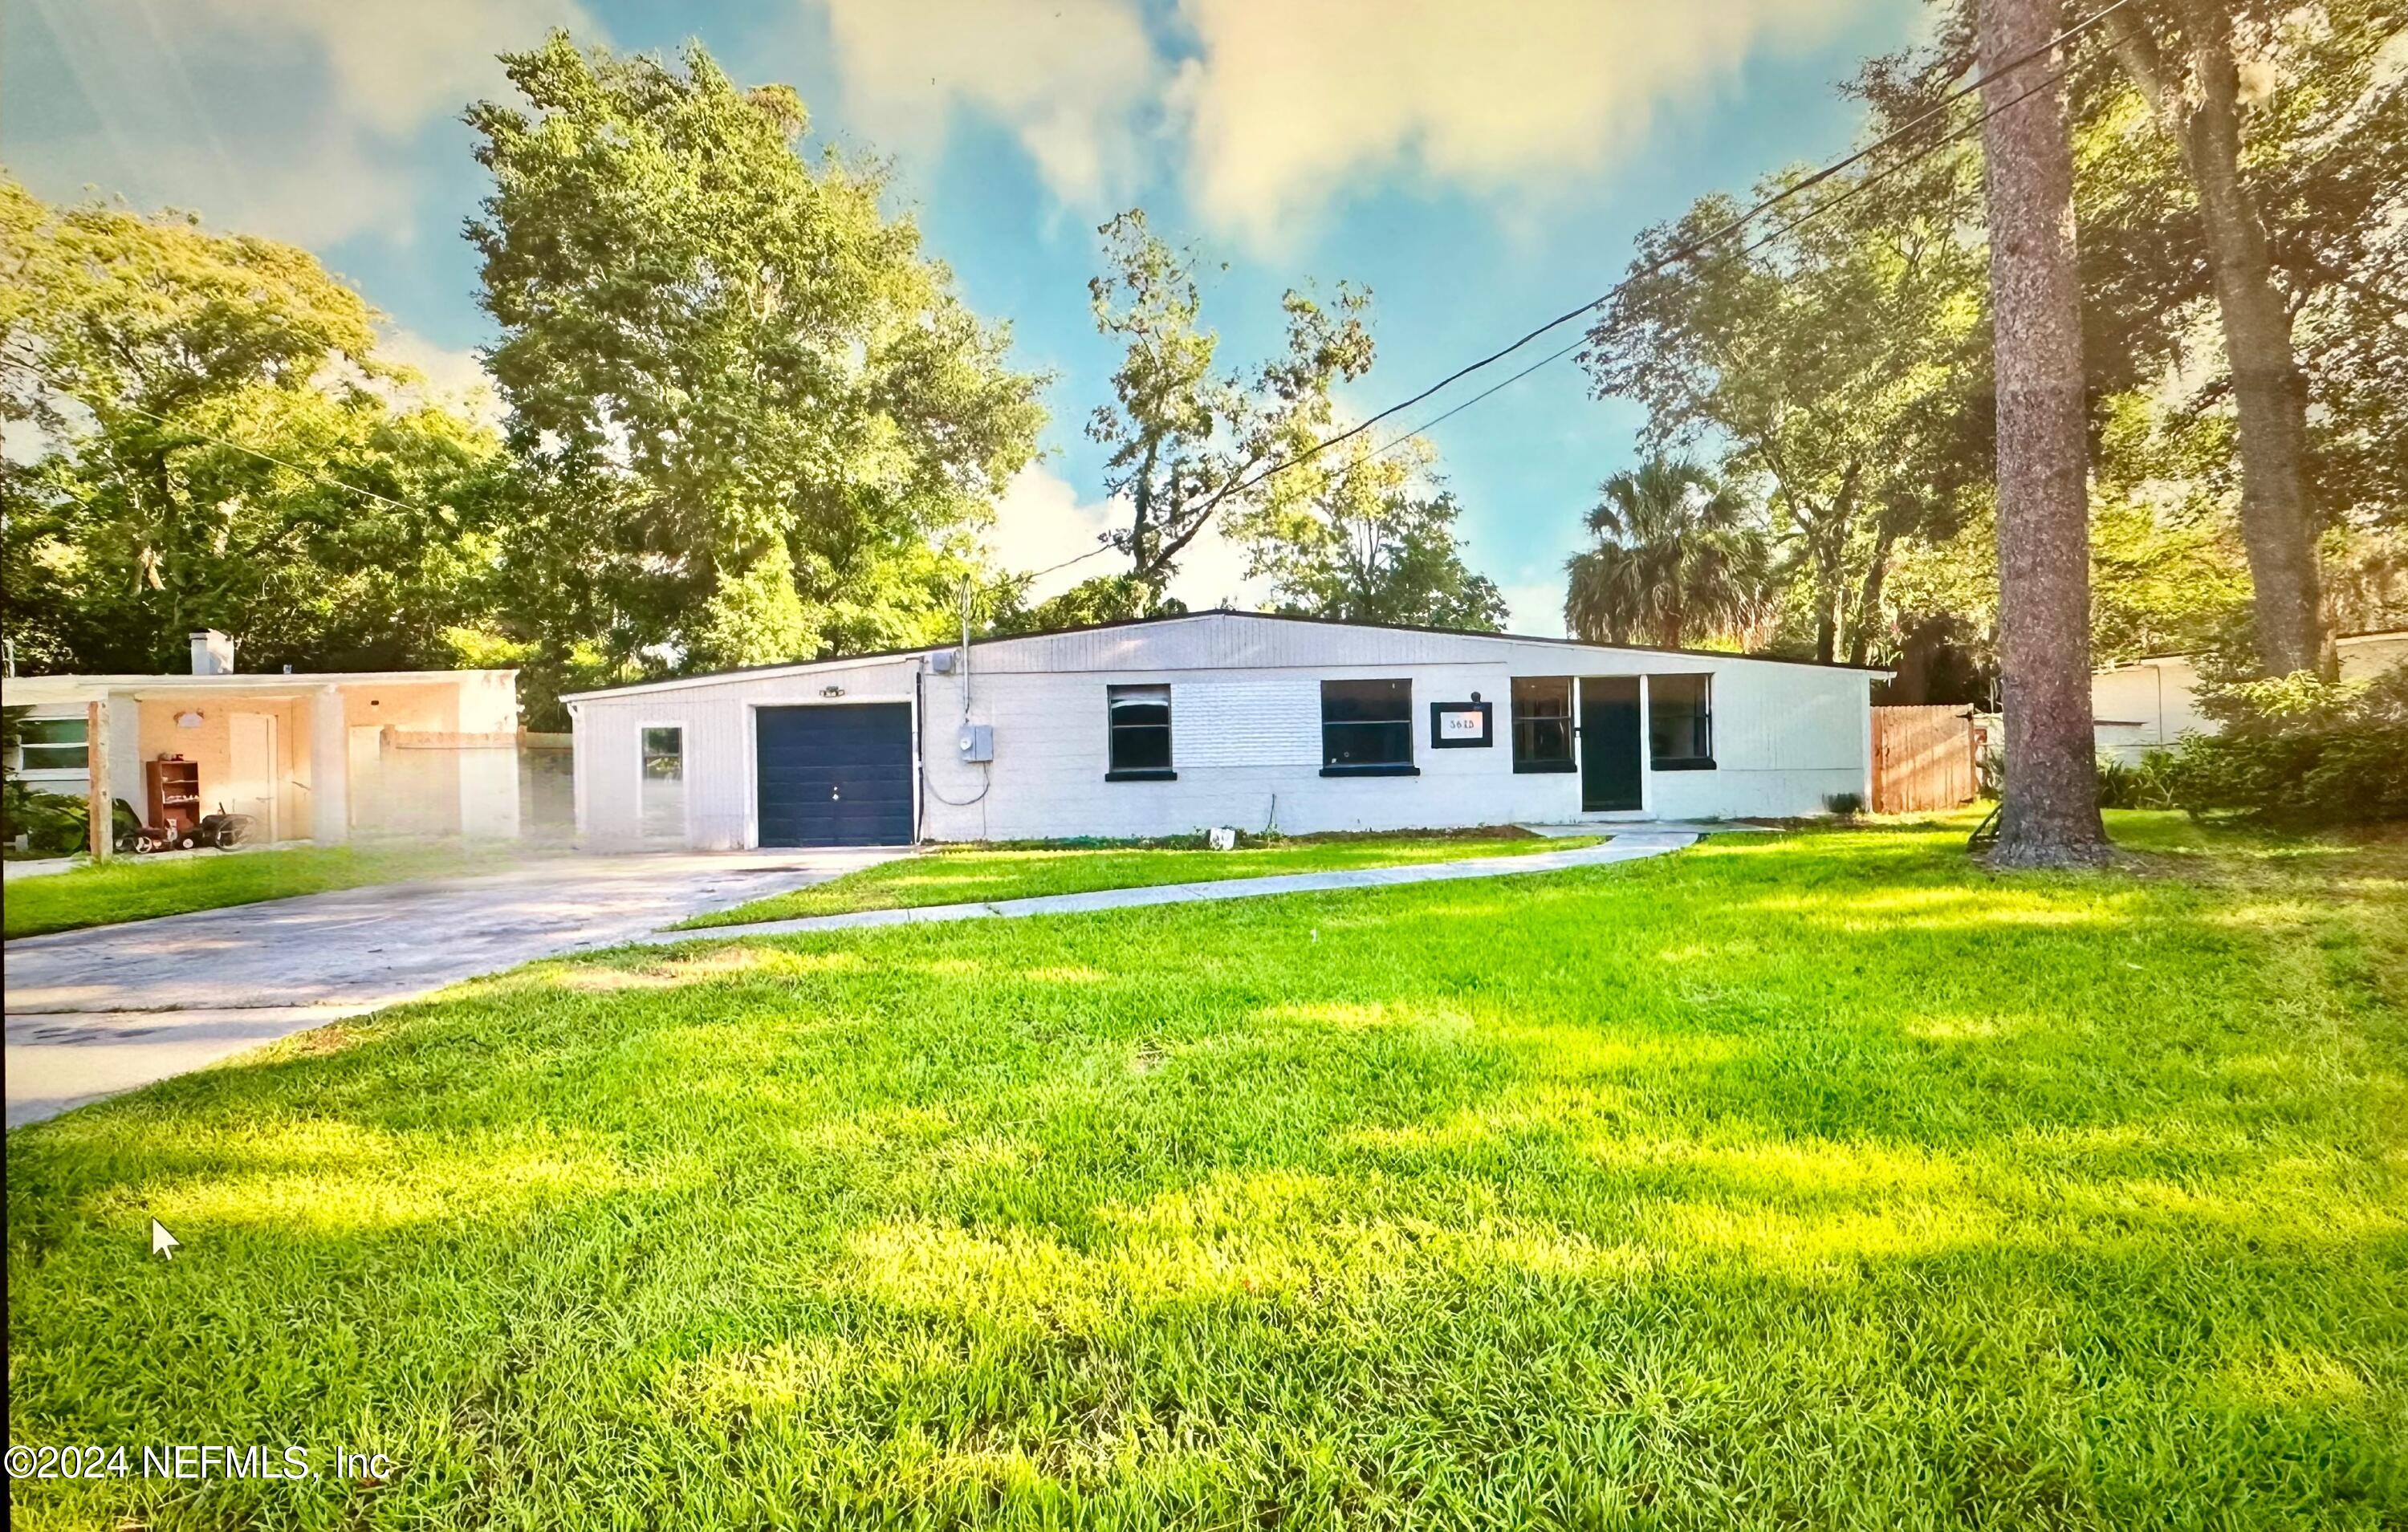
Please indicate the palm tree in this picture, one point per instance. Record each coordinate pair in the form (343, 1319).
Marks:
(1677, 559)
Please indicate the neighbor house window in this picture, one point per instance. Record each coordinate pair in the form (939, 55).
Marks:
(52, 744)
(1680, 728)
(1542, 723)
(663, 783)
(1140, 722)
(1367, 728)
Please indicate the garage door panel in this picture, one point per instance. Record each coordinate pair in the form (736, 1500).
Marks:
(834, 776)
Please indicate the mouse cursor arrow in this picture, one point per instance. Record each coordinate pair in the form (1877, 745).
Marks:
(163, 1244)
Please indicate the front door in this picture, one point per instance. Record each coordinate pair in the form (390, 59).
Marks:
(251, 772)
(1609, 743)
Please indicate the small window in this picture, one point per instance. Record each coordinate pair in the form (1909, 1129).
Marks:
(53, 744)
(1140, 722)
(1367, 728)
(1680, 727)
(663, 783)
(1542, 723)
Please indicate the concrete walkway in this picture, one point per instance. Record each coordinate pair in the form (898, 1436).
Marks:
(1630, 843)
(93, 1012)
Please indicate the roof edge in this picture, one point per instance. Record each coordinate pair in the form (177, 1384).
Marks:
(791, 666)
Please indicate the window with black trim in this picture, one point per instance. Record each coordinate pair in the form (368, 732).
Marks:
(1140, 722)
(1542, 723)
(1367, 728)
(52, 744)
(1680, 723)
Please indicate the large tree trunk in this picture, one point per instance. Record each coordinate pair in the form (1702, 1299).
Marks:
(2050, 814)
(2268, 395)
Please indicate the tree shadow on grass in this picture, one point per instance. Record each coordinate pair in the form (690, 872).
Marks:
(1636, 1193)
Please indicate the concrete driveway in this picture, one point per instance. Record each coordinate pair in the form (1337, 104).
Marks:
(93, 1012)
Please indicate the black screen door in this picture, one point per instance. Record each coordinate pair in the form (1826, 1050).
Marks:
(1608, 742)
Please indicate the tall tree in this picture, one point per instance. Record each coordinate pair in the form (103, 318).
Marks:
(2182, 58)
(143, 355)
(1371, 540)
(1679, 559)
(2242, 187)
(1836, 365)
(1182, 435)
(754, 419)
(2049, 813)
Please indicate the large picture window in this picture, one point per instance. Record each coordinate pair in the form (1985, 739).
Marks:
(1680, 726)
(1542, 723)
(1367, 728)
(663, 784)
(52, 744)
(1140, 721)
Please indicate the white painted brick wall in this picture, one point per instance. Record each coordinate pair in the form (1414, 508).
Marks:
(1245, 737)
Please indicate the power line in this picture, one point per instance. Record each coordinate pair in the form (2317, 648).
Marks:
(1750, 247)
(1688, 248)
(1683, 252)
(50, 381)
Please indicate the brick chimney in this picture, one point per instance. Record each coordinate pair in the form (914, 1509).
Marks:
(212, 654)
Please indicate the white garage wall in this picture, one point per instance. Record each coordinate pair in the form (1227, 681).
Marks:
(716, 713)
(1246, 735)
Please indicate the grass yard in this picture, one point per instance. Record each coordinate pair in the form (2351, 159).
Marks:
(1806, 1181)
(129, 888)
(969, 876)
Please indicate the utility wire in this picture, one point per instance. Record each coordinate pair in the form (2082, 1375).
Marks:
(1750, 248)
(49, 382)
(1682, 252)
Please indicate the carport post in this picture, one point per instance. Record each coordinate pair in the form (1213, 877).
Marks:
(98, 805)
(330, 769)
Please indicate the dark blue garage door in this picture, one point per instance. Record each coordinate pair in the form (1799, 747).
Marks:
(834, 776)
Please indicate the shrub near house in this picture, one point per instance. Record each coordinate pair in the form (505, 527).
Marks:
(2299, 749)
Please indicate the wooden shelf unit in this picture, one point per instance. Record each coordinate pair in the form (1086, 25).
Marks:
(175, 793)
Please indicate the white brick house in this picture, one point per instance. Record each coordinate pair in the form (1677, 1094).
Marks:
(1165, 726)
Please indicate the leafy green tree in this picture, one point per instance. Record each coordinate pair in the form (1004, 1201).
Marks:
(1182, 435)
(1837, 365)
(2242, 177)
(752, 418)
(1367, 543)
(1679, 560)
(143, 356)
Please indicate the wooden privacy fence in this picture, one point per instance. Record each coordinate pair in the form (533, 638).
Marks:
(1922, 758)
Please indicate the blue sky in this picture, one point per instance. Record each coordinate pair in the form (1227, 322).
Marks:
(1480, 167)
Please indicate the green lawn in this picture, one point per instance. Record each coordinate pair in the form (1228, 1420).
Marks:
(1806, 1181)
(131, 888)
(971, 876)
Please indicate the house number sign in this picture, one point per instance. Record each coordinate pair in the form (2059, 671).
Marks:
(1460, 725)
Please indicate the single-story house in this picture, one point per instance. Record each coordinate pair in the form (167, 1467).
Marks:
(316, 757)
(1164, 725)
(2151, 703)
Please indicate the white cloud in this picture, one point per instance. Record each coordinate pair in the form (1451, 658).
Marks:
(1213, 573)
(1289, 104)
(294, 119)
(454, 377)
(1067, 76)
(397, 63)
(1041, 520)
(1535, 608)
